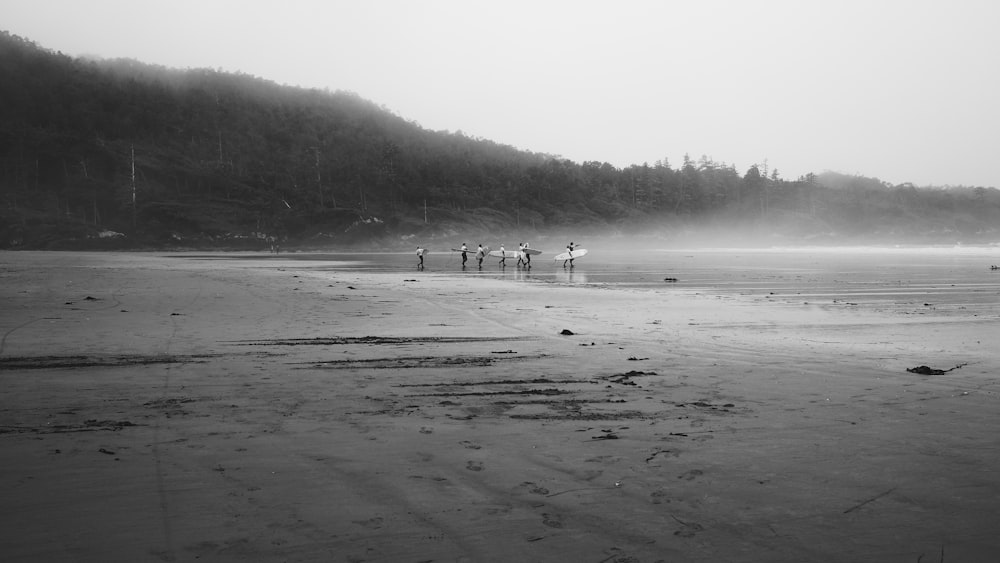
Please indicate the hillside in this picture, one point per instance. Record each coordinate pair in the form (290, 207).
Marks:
(121, 154)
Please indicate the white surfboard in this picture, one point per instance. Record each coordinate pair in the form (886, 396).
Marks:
(505, 254)
(577, 253)
(473, 251)
(532, 251)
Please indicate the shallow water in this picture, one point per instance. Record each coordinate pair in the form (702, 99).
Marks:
(957, 277)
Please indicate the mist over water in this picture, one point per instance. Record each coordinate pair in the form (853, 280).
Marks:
(931, 276)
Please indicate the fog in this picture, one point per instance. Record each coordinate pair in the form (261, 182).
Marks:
(899, 90)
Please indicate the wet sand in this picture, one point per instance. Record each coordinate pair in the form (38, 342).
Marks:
(174, 409)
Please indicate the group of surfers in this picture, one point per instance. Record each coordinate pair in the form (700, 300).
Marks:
(523, 256)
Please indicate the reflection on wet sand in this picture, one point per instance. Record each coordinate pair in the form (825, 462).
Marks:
(571, 276)
(568, 276)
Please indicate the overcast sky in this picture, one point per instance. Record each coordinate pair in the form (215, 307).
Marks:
(902, 90)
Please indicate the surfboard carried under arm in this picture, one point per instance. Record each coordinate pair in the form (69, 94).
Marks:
(504, 254)
(577, 253)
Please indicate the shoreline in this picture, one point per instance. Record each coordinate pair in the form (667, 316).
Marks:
(234, 410)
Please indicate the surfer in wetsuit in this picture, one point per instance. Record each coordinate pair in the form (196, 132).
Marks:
(569, 250)
(527, 256)
(420, 256)
(465, 255)
(503, 257)
(480, 254)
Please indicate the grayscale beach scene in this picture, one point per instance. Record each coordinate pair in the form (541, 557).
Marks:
(454, 281)
(779, 405)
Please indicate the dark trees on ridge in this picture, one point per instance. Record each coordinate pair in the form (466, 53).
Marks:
(207, 158)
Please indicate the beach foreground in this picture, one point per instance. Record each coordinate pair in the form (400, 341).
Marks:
(182, 408)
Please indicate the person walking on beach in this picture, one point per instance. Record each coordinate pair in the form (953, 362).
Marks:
(503, 256)
(520, 254)
(527, 255)
(569, 250)
(420, 256)
(480, 254)
(465, 254)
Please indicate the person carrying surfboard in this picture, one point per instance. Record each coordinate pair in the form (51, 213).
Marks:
(480, 254)
(520, 254)
(569, 250)
(527, 255)
(503, 257)
(420, 256)
(465, 255)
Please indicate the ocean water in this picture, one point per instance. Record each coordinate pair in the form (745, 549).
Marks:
(953, 276)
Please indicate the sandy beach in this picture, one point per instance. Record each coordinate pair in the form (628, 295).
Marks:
(177, 408)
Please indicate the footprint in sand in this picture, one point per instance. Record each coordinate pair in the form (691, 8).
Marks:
(619, 556)
(552, 520)
(422, 456)
(474, 466)
(470, 445)
(534, 488)
(691, 475)
(659, 496)
(371, 523)
(689, 529)
(425, 430)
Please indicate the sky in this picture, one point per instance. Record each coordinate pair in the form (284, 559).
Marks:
(900, 90)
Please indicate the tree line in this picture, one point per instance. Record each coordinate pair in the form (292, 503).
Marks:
(94, 151)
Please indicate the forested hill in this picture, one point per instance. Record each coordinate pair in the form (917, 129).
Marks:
(121, 154)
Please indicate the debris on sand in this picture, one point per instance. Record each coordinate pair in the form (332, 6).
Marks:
(926, 370)
(626, 378)
(607, 435)
(567, 332)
